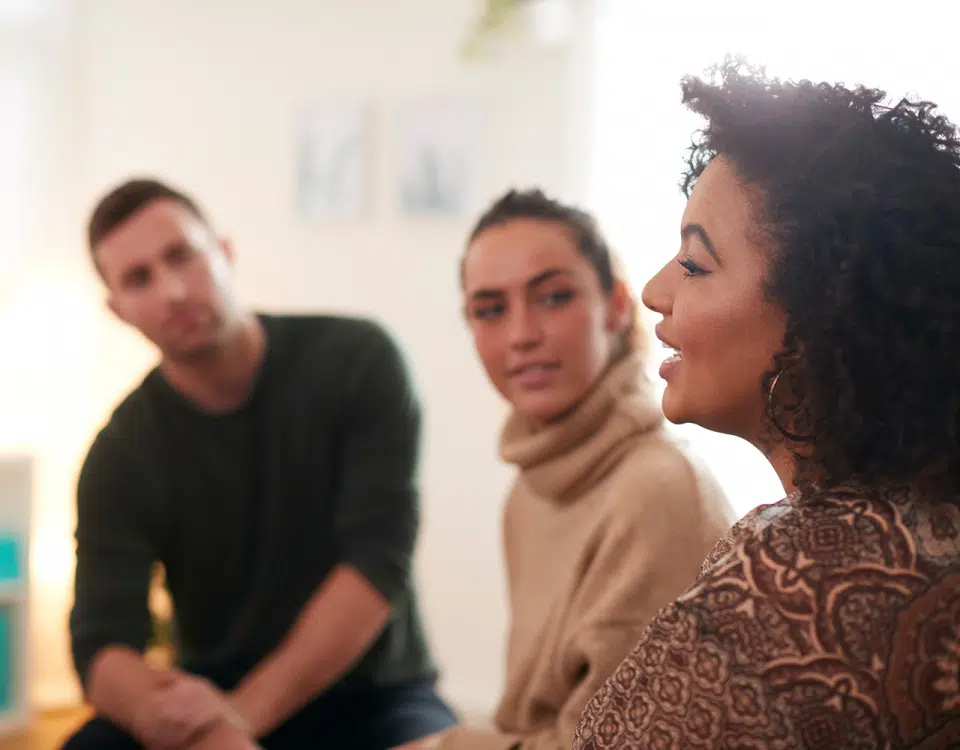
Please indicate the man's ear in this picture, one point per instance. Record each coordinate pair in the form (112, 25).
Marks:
(226, 247)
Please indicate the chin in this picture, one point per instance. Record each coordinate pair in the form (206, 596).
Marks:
(676, 411)
(678, 418)
(192, 350)
(679, 410)
(673, 409)
(719, 421)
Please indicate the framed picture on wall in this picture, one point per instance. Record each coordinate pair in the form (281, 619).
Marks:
(434, 145)
(334, 161)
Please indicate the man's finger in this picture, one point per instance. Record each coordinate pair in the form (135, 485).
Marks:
(172, 731)
(176, 720)
(192, 710)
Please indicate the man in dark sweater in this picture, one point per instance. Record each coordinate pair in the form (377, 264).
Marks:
(269, 464)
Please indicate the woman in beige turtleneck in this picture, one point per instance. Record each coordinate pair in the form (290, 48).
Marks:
(609, 519)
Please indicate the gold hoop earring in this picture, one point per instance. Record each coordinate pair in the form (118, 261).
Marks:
(772, 415)
(772, 388)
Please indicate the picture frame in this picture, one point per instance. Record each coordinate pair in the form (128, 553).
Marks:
(334, 161)
(434, 156)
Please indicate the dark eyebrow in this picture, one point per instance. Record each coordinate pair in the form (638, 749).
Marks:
(546, 276)
(695, 230)
(177, 246)
(541, 277)
(486, 294)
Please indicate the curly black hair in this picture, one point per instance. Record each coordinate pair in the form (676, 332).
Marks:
(859, 200)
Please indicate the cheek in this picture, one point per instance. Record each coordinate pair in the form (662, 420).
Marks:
(138, 308)
(200, 279)
(731, 341)
(490, 350)
(578, 335)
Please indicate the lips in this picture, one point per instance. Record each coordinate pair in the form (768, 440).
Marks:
(185, 319)
(677, 354)
(534, 374)
(533, 367)
(669, 366)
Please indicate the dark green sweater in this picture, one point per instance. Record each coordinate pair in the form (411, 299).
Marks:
(249, 511)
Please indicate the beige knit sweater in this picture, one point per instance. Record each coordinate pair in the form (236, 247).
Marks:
(608, 521)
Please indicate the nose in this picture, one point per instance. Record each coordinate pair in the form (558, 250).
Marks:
(657, 294)
(173, 286)
(524, 330)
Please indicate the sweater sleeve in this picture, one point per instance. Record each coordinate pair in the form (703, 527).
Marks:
(598, 652)
(659, 529)
(115, 554)
(377, 515)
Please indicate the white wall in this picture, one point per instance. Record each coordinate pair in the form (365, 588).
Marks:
(205, 93)
(47, 307)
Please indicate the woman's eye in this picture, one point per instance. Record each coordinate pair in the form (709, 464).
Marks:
(487, 311)
(556, 299)
(690, 268)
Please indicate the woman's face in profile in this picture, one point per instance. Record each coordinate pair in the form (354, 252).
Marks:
(716, 314)
(543, 326)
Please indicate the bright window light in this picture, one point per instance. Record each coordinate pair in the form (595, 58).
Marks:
(17, 12)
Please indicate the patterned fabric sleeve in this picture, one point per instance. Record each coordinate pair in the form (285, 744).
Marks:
(824, 630)
(681, 688)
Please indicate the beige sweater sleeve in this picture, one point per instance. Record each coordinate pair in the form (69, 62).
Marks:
(652, 549)
(600, 651)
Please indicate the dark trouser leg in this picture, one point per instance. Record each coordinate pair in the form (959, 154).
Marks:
(100, 734)
(375, 720)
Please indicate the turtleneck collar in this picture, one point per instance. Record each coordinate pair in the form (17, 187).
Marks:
(563, 459)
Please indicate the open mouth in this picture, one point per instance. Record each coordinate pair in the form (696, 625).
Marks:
(675, 356)
(534, 374)
(535, 368)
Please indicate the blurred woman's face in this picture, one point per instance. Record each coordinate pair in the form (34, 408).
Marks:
(723, 330)
(543, 326)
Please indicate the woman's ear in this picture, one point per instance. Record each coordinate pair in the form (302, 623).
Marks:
(621, 308)
(791, 352)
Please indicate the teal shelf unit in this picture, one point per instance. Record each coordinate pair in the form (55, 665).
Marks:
(16, 495)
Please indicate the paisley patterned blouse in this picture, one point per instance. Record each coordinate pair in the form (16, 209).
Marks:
(831, 621)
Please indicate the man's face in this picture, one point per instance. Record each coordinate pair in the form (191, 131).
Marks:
(169, 277)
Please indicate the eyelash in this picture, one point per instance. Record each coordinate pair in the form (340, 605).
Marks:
(690, 268)
(550, 300)
(487, 311)
(558, 298)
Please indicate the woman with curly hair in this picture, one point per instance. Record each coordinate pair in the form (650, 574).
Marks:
(814, 310)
